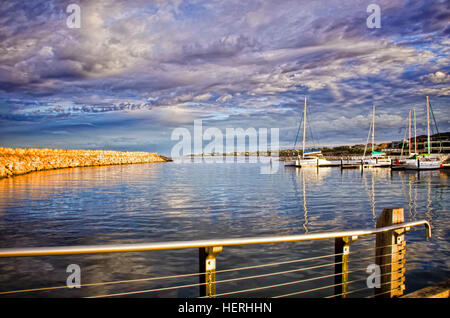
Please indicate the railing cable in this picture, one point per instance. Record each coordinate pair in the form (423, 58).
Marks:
(148, 290)
(103, 283)
(218, 271)
(365, 288)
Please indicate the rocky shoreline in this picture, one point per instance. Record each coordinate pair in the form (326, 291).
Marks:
(20, 161)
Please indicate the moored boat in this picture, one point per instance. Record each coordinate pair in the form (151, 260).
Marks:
(401, 164)
(377, 159)
(415, 161)
(427, 161)
(312, 158)
(423, 162)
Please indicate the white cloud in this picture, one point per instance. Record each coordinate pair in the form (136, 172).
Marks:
(437, 77)
(224, 98)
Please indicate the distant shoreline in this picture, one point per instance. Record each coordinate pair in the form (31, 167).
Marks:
(19, 161)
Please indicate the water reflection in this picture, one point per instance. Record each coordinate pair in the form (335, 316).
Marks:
(313, 177)
(371, 194)
(410, 193)
(305, 208)
(413, 181)
(168, 202)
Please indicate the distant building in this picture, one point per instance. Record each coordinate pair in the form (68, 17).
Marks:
(441, 144)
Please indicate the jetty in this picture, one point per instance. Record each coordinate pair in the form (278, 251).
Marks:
(19, 161)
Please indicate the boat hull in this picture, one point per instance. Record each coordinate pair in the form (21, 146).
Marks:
(401, 164)
(290, 163)
(316, 162)
(382, 162)
(423, 165)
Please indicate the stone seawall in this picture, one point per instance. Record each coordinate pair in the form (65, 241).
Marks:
(20, 161)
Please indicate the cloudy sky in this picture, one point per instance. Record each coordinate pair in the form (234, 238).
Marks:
(136, 70)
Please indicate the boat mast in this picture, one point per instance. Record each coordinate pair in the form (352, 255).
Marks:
(428, 126)
(367, 140)
(409, 128)
(415, 132)
(373, 128)
(304, 129)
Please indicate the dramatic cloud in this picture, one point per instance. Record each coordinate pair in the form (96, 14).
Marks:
(438, 77)
(162, 64)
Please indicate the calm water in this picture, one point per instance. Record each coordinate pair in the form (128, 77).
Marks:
(190, 201)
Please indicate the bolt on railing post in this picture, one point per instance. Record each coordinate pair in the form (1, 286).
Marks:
(207, 268)
(342, 251)
(390, 254)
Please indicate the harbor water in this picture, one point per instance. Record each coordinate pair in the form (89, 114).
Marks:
(163, 202)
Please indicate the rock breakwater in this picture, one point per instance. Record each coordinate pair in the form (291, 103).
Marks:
(20, 161)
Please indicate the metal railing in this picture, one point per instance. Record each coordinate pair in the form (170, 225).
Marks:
(389, 256)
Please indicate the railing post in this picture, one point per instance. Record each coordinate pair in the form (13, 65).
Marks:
(207, 265)
(342, 251)
(390, 254)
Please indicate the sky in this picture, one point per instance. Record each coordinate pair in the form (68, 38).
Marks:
(136, 70)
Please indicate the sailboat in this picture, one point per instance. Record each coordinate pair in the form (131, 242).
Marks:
(378, 159)
(296, 163)
(427, 161)
(290, 163)
(311, 158)
(401, 164)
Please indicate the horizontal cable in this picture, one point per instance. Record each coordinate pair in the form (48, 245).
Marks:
(285, 284)
(32, 290)
(276, 273)
(165, 277)
(391, 290)
(296, 282)
(276, 285)
(349, 292)
(365, 288)
(278, 263)
(103, 283)
(197, 274)
(372, 248)
(329, 286)
(356, 290)
(148, 290)
(371, 257)
(290, 262)
(318, 288)
(230, 280)
(216, 282)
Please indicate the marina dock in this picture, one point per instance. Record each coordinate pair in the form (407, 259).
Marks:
(355, 163)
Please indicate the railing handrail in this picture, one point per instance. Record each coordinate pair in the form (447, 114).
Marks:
(141, 247)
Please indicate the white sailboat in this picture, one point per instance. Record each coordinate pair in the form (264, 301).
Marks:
(402, 163)
(290, 163)
(311, 158)
(427, 161)
(377, 159)
(294, 162)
